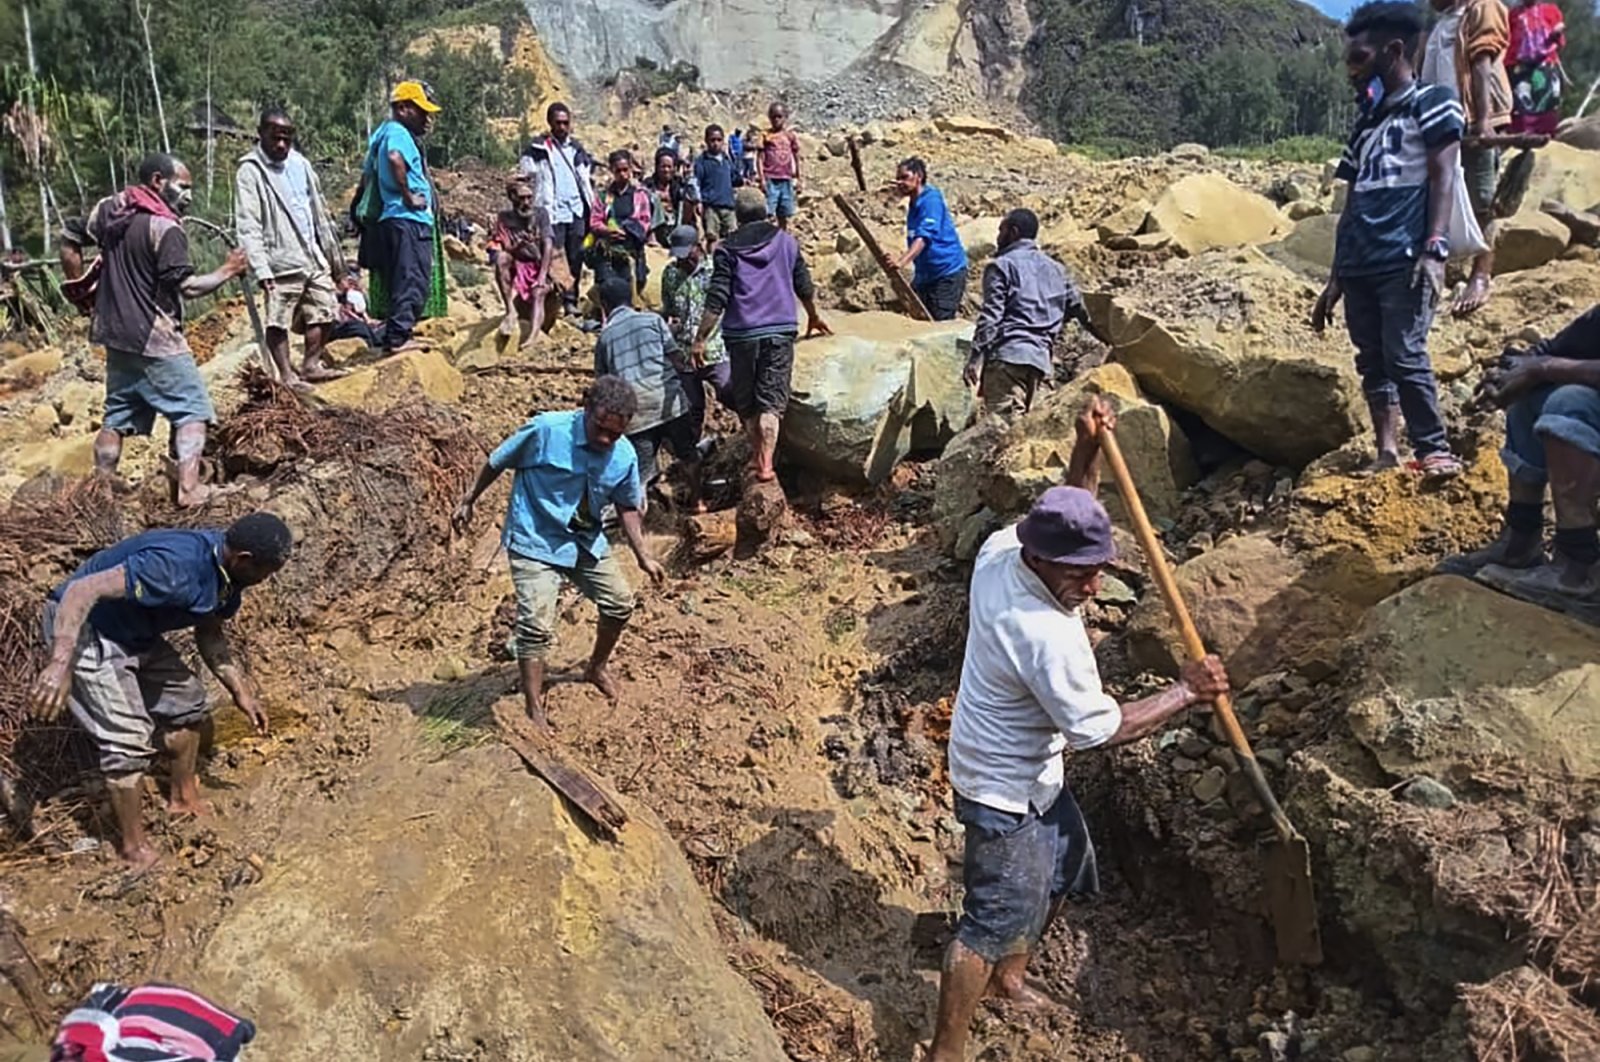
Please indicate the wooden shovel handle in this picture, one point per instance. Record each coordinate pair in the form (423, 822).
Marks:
(1196, 649)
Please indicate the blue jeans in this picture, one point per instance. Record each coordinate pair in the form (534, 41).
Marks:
(1570, 412)
(1388, 319)
(1016, 866)
(780, 197)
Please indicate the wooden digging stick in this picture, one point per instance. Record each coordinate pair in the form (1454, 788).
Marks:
(897, 281)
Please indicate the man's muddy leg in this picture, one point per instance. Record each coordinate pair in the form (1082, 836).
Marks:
(188, 443)
(278, 347)
(313, 367)
(532, 671)
(766, 441)
(606, 634)
(961, 986)
(127, 805)
(183, 744)
(107, 452)
(1574, 485)
(504, 267)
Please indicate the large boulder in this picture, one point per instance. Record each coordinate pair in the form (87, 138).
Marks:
(401, 922)
(1215, 341)
(1459, 682)
(967, 125)
(881, 386)
(1527, 240)
(999, 466)
(1308, 247)
(1565, 173)
(387, 383)
(1256, 605)
(1206, 210)
(979, 236)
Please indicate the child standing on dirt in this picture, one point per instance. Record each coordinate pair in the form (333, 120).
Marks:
(778, 165)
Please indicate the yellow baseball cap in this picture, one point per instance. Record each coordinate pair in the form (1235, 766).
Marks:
(415, 92)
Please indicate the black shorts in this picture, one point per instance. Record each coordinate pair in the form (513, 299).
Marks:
(943, 296)
(680, 436)
(760, 370)
(1015, 868)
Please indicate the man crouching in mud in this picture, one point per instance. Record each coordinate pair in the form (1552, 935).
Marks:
(124, 682)
(1029, 690)
(568, 466)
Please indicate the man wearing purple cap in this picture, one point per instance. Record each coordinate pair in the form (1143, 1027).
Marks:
(1029, 690)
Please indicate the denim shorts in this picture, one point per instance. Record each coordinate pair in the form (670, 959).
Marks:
(780, 197)
(138, 388)
(1016, 867)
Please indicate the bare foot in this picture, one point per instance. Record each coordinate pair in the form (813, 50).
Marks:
(541, 722)
(1474, 297)
(1384, 462)
(317, 372)
(204, 494)
(188, 808)
(508, 323)
(139, 859)
(1021, 994)
(408, 347)
(601, 679)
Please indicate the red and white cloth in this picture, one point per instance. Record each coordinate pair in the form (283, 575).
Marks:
(151, 1023)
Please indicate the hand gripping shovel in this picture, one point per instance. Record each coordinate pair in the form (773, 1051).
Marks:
(1287, 865)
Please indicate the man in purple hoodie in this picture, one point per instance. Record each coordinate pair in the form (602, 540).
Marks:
(757, 274)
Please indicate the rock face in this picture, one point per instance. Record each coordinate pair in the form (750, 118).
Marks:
(1527, 241)
(483, 920)
(878, 388)
(1255, 605)
(1567, 174)
(997, 467)
(1460, 680)
(1206, 210)
(391, 381)
(1288, 396)
(1308, 247)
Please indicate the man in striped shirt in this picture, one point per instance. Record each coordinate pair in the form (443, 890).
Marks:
(1392, 245)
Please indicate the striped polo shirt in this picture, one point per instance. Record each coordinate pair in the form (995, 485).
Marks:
(1385, 219)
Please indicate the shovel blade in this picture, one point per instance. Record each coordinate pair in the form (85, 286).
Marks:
(1291, 904)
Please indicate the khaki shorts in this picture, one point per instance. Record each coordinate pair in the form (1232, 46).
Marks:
(719, 222)
(1008, 389)
(302, 299)
(538, 591)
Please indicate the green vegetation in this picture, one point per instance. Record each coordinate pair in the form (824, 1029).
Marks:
(79, 75)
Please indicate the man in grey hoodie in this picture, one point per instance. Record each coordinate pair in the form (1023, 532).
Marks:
(293, 250)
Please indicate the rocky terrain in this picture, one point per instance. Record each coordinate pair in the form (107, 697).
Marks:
(383, 876)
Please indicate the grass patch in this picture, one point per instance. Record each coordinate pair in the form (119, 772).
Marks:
(465, 274)
(458, 719)
(1302, 149)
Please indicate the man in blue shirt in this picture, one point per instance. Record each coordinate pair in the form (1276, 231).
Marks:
(568, 467)
(1392, 242)
(403, 249)
(717, 173)
(124, 683)
(932, 243)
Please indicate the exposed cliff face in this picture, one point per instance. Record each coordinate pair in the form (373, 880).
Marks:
(732, 41)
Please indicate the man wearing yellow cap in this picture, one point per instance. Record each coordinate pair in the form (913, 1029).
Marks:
(399, 247)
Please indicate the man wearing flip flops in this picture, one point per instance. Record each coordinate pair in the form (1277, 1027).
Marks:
(1029, 691)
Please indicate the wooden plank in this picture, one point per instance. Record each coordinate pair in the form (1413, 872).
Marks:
(897, 281)
(550, 762)
(855, 161)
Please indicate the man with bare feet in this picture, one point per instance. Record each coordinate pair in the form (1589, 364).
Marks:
(1393, 240)
(1030, 690)
(1551, 395)
(124, 683)
(293, 249)
(757, 274)
(144, 276)
(568, 467)
(522, 247)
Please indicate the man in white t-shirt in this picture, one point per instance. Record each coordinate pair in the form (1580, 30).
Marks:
(1030, 690)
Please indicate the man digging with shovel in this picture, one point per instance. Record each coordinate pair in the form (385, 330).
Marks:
(1029, 690)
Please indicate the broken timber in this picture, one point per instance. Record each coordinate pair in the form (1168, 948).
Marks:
(855, 161)
(549, 762)
(897, 281)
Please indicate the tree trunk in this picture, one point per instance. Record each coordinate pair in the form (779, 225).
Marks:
(5, 224)
(143, 11)
(211, 135)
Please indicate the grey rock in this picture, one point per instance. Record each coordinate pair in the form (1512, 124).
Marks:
(1210, 785)
(1272, 759)
(1426, 792)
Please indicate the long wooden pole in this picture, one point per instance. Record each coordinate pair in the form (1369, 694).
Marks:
(897, 281)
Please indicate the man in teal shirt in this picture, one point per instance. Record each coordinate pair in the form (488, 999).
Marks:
(568, 467)
(402, 248)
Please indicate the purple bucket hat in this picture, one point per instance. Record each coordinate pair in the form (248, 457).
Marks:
(1068, 526)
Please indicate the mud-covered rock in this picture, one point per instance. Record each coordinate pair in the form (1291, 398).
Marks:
(1527, 241)
(879, 387)
(1459, 681)
(402, 899)
(1567, 174)
(1255, 605)
(1206, 210)
(383, 384)
(999, 466)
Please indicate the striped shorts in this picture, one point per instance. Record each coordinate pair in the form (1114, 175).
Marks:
(123, 697)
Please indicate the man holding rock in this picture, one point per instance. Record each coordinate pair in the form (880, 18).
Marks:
(1551, 395)
(294, 252)
(568, 467)
(122, 680)
(757, 275)
(1027, 299)
(145, 274)
(1030, 690)
(933, 247)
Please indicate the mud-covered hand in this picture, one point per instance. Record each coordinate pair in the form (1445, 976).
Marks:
(1322, 312)
(972, 372)
(461, 519)
(1206, 678)
(1505, 385)
(816, 326)
(50, 689)
(652, 567)
(250, 704)
(236, 264)
(1428, 274)
(1097, 417)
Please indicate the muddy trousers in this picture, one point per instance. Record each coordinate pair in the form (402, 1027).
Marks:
(537, 585)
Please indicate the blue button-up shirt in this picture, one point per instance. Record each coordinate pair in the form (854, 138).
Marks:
(561, 487)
